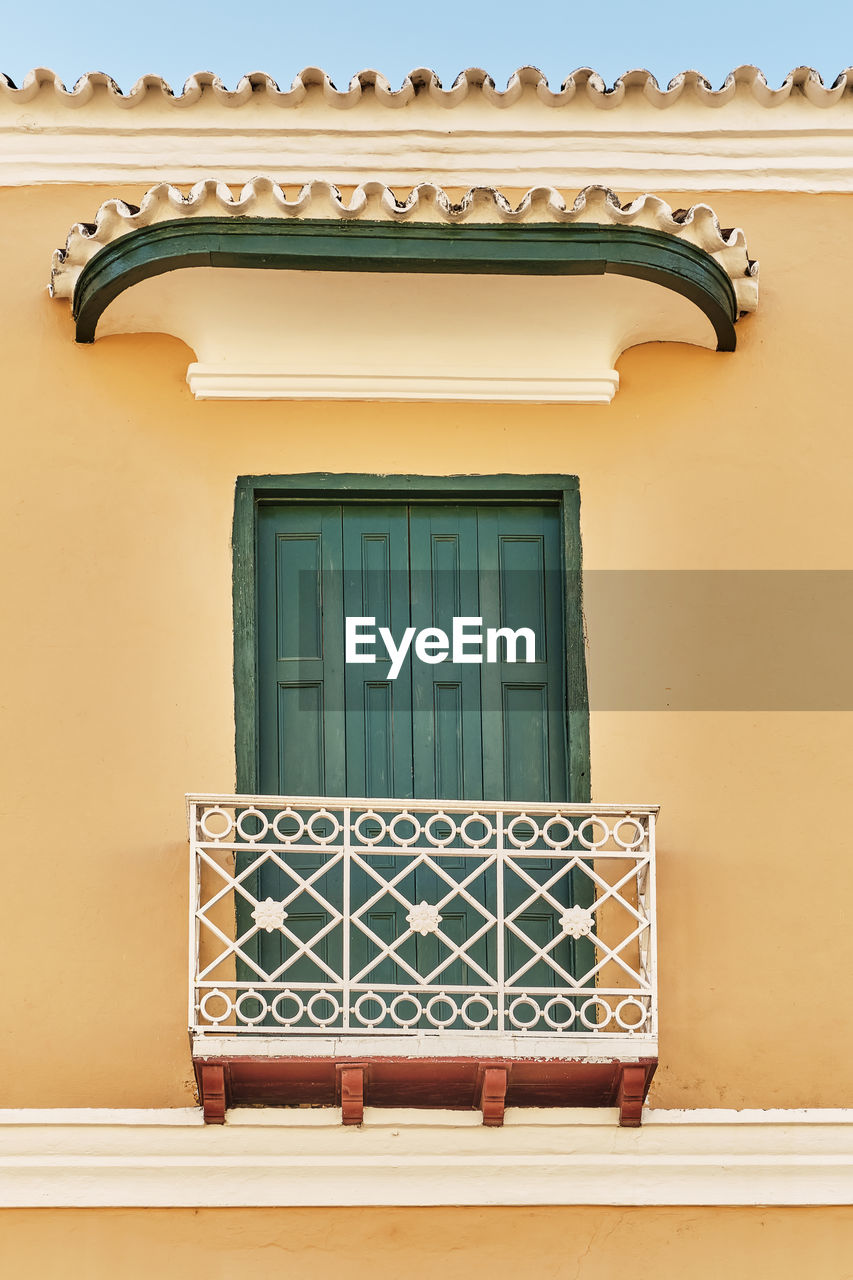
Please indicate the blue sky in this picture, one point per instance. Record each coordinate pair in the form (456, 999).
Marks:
(176, 37)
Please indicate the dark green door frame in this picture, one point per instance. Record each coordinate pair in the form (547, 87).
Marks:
(253, 490)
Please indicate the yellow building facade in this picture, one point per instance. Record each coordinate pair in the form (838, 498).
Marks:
(715, 529)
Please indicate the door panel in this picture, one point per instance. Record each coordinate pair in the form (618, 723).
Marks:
(524, 727)
(300, 651)
(298, 567)
(447, 747)
(447, 709)
(301, 755)
(378, 711)
(525, 730)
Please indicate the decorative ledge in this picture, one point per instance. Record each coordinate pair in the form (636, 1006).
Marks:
(212, 382)
(302, 1156)
(586, 281)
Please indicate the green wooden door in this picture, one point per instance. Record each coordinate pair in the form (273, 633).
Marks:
(449, 730)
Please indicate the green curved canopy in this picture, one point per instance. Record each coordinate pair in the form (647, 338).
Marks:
(324, 245)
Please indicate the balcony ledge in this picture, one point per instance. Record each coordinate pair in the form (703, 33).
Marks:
(594, 1048)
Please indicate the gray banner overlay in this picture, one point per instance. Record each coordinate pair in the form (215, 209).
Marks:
(679, 640)
(720, 640)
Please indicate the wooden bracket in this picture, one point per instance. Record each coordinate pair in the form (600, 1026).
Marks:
(213, 1093)
(351, 1091)
(632, 1091)
(493, 1095)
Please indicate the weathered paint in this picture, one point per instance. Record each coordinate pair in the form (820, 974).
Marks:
(382, 1244)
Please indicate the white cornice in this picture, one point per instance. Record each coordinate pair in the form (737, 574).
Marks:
(688, 137)
(306, 1157)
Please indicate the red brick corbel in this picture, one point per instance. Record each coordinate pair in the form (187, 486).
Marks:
(493, 1095)
(632, 1089)
(350, 1091)
(213, 1093)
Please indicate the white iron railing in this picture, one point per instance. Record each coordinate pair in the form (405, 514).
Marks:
(364, 918)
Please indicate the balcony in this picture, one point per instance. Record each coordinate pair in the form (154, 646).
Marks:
(422, 953)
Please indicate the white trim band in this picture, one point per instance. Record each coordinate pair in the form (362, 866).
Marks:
(739, 145)
(303, 1157)
(212, 382)
(792, 160)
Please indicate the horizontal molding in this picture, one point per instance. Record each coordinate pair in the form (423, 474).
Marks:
(787, 163)
(303, 1157)
(211, 382)
(739, 146)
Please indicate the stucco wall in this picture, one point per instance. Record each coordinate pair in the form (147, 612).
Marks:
(117, 500)
(550, 1244)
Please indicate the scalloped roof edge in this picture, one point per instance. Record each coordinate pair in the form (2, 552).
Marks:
(262, 197)
(803, 82)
